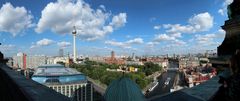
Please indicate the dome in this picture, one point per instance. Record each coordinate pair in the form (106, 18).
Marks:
(123, 89)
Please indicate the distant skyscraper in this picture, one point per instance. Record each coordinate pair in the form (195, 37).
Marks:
(19, 61)
(61, 52)
(114, 60)
(66, 81)
(133, 56)
(113, 55)
(24, 61)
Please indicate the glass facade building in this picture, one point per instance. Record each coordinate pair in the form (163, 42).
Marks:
(66, 81)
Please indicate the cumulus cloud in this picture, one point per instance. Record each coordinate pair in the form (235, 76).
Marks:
(201, 22)
(118, 44)
(7, 47)
(126, 44)
(157, 27)
(223, 9)
(179, 42)
(209, 38)
(152, 44)
(119, 20)
(163, 37)
(64, 44)
(197, 23)
(227, 2)
(61, 16)
(43, 42)
(135, 41)
(14, 19)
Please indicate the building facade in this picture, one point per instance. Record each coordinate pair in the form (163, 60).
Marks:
(114, 60)
(66, 81)
(24, 61)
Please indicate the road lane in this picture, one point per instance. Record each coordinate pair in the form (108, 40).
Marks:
(161, 88)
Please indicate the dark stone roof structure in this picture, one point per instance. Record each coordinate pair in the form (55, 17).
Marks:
(123, 89)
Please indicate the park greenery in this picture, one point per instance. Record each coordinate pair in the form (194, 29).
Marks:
(97, 71)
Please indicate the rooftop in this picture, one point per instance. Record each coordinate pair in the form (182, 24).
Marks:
(57, 74)
(55, 70)
(15, 87)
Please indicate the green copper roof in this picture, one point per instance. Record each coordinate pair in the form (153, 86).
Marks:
(123, 89)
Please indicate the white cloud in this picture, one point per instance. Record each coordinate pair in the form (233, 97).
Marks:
(176, 34)
(203, 39)
(201, 22)
(197, 23)
(43, 42)
(177, 28)
(227, 2)
(14, 19)
(209, 38)
(118, 44)
(64, 44)
(220, 33)
(61, 16)
(179, 42)
(157, 27)
(126, 44)
(221, 11)
(152, 44)
(152, 19)
(7, 47)
(119, 20)
(103, 7)
(163, 37)
(135, 41)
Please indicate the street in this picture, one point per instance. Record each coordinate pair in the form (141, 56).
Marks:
(161, 88)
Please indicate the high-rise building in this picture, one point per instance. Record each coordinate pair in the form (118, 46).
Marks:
(21, 60)
(18, 60)
(113, 55)
(114, 60)
(66, 81)
(61, 52)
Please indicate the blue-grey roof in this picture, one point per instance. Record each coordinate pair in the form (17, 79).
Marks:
(51, 66)
(55, 70)
(123, 89)
(57, 74)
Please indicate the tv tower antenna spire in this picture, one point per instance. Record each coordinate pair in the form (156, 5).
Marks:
(74, 44)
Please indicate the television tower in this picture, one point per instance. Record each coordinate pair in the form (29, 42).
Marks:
(74, 44)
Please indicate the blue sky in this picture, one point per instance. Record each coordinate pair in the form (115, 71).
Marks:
(145, 27)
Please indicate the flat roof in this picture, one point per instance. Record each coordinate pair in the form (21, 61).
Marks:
(55, 70)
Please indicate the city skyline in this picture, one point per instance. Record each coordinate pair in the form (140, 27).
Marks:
(143, 27)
